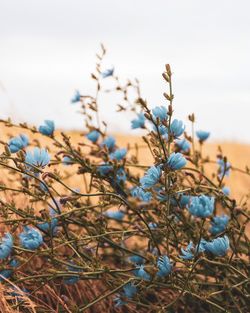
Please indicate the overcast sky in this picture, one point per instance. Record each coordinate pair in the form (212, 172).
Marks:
(47, 50)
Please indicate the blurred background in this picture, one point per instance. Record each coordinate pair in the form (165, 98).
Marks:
(48, 48)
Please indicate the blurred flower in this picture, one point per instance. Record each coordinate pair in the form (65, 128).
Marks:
(219, 224)
(202, 135)
(201, 247)
(139, 122)
(164, 266)
(116, 215)
(136, 259)
(176, 161)
(76, 98)
(187, 254)
(108, 72)
(104, 169)
(226, 190)
(141, 273)
(218, 246)
(67, 160)
(183, 144)
(119, 302)
(151, 177)
(6, 273)
(141, 194)
(118, 154)
(152, 225)
(184, 200)
(109, 142)
(163, 130)
(130, 290)
(30, 238)
(160, 112)
(74, 278)
(121, 175)
(201, 206)
(177, 128)
(17, 143)
(224, 168)
(51, 226)
(6, 246)
(93, 136)
(48, 128)
(39, 157)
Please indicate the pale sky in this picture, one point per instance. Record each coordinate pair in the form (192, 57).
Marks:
(47, 50)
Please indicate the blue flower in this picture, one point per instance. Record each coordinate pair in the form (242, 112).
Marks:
(151, 177)
(224, 168)
(39, 157)
(202, 135)
(183, 144)
(118, 154)
(116, 215)
(163, 130)
(6, 246)
(108, 72)
(76, 98)
(6, 273)
(164, 266)
(177, 128)
(187, 254)
(48, 128)
(130, 290)
(121, 175)
(152, 225)
(104, 169)
(119, 302)
(136, 259)
(141, 194)
(93, 136)
(226, 191)
(201, 247)
(141, 273)
(201, 206)
(218, 246)
(139, 122)
(51, 226)
(160, 112)
(109, 142)
(17, 143)
(67, 160)
(219, 224)
(30, 238)
(184, 200)
(176, 161)
(74, 278)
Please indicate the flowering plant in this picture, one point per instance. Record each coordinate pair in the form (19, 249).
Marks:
(91, 217)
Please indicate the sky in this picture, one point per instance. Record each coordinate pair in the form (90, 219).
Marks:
(47, 51)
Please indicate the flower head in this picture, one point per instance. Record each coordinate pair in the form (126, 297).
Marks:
(76, 98)
(218, 246)
(39, 157)
(108, 142)
(151, 177)
(17, 143)
(218, 224)
(118, 154)
(116, 215)
(139, 122)
(48, 128)
(141, 273)
(104, 169)
(164, 265)
(74, 278)
(6, 273)
(187, 254)
(51, 226)
(183, 144)
(129, 290)
(201, 206)
(160, 112)
(177, 128)
(136, 259)
(108, 72)
(202, 135)
(67, 160)
(30, 238)
(121, 175)
(138, 192)
(6, 246)
(93, 136)
(224, 167)
(176, 161)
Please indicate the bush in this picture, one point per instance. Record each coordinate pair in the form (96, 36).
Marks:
(164, 238)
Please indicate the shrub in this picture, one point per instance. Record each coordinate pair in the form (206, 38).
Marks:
(129, 236)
